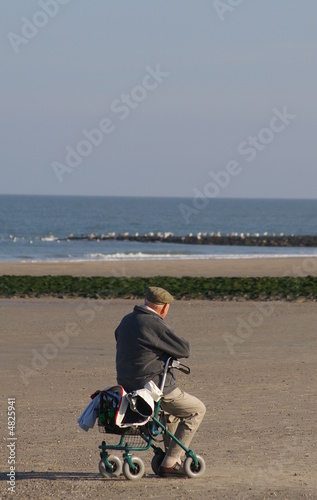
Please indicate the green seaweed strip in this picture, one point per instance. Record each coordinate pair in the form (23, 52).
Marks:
(222, 288)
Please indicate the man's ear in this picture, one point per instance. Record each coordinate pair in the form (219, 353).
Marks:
(162, 311)
(166, 306)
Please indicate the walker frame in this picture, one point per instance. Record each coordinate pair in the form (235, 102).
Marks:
(110, 466)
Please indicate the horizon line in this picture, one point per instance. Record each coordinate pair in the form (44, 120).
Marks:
(158, 196)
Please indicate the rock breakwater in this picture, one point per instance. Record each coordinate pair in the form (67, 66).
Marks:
(207, 239)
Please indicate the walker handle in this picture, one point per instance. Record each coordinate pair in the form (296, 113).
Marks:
(173, 363)
(179, 366)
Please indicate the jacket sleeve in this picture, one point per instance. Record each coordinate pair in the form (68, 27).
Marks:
(173, 345)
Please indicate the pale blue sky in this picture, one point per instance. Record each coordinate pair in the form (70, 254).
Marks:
(227, 72)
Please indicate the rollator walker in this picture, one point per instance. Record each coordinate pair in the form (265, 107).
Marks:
(138, 438)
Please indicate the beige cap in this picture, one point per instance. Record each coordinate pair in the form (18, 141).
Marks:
(157, 295)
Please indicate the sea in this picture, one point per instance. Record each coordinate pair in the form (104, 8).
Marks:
(36, 228)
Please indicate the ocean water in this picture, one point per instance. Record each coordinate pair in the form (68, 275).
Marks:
(32, 228)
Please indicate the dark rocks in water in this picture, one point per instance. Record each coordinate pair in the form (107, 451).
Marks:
(208, 239)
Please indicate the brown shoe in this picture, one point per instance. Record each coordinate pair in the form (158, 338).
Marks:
(176, 470)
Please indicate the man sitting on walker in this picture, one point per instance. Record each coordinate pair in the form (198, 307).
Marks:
(144, 343)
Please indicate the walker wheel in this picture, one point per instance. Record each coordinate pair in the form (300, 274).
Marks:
(192, 470)
(115, 468)
(157, 460)
(136, 473)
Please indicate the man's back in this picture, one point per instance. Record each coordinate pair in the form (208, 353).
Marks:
(144, 342)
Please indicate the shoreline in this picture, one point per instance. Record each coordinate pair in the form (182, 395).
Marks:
(250, 267)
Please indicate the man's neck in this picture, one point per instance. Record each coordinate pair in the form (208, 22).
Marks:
(150, 309)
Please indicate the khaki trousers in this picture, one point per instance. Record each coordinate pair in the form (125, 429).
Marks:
(185, 413)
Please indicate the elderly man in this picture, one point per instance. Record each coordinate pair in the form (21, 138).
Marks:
(144, 343)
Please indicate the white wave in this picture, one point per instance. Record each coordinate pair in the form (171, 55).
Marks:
(140, 256)
(145, 256)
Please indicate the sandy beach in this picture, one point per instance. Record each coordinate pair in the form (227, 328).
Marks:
(253, 364)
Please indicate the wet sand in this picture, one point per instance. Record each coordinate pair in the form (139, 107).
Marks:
(291, 266)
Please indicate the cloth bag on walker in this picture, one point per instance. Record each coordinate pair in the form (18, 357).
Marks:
(117, 408)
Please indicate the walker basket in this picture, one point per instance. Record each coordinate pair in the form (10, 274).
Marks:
(131, 438)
